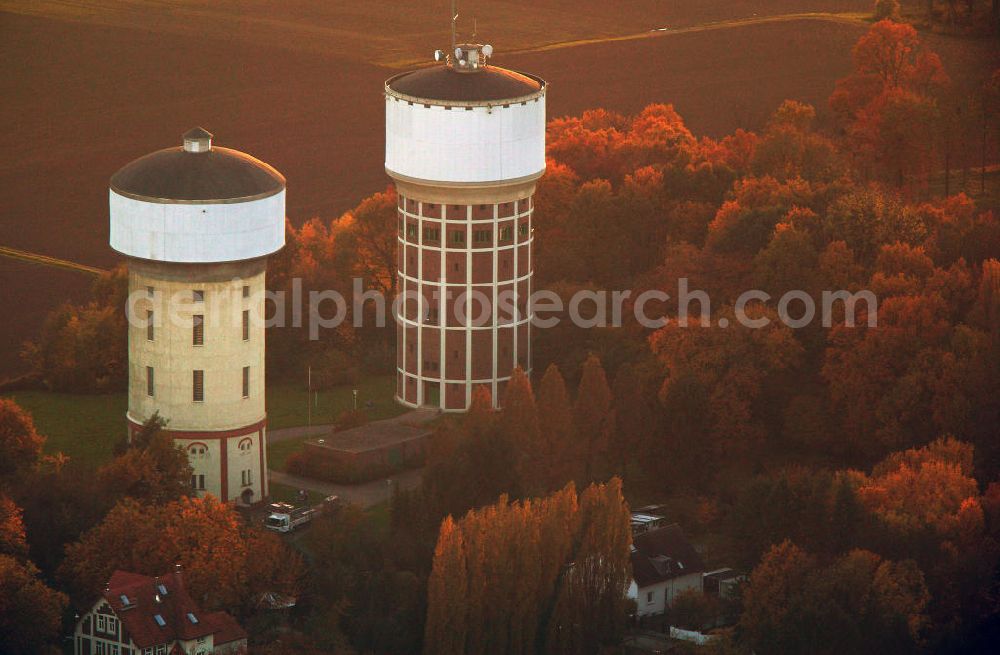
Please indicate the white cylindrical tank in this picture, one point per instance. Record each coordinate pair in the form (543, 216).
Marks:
(465, 145)
(197, 223)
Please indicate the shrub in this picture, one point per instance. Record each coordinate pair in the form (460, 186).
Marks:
(887, 9)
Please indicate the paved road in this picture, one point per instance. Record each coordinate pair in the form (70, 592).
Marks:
(365, 494)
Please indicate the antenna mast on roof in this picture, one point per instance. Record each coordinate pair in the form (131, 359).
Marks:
(454, 24)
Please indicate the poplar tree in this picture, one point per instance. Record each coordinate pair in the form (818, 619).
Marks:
(632, 417)
(447, 590)
(555, 422)
(589, 611)
(538, 576)
(519, 424)
(592, 417)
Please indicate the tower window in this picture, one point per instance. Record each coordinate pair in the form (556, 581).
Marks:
(150, 329)
(506, 233)
(411, 231)
(198, 295)
(458, 236)
(246, 477)
(150, 385)
(198, 330)
(522, 229)
(198, 482)
(150, 291)
(246, 381)
(482, 236)
(246, 325)
(432, 234)
(246, 291)
(198, 386)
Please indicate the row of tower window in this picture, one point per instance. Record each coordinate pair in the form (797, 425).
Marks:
(198, 295)
(197, 383)
(200, 449)
(197, 327)
(431, 206)
(457, 237)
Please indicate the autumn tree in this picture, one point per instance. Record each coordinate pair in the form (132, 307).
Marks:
(887, 103)
(446, 594)
(887, 10)
(790, 148)
(12, 537)
(519, 423)
(30, 612)
(633, 418)
(868, 218)
(20, 443)
(789, 261)
(745, 223)
(555, 423)
(152, 469)
(592, 417)
(926, 488)
(860, 603)
(502, 571)
(589, 611)
(226, 563)
(730, 366)
(81, 348)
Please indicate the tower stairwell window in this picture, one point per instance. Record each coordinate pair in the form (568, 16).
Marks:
(150, 385)
(246, 381)
(246, 325)
(150, 329)
(198, 330)
(198, 386)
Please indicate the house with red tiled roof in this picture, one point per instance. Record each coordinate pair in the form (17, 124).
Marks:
(142, 615)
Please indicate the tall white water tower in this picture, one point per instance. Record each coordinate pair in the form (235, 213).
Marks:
(197, 223)
(465, 145)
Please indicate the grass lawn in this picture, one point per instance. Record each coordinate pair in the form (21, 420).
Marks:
(86, 427)
(288, 404)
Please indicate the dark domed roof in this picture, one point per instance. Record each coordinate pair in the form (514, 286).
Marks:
(213, 175)
(446, 84)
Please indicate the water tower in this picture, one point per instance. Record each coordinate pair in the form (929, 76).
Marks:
(465, 146)
(197, 223)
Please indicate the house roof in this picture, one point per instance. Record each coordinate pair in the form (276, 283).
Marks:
(663, 554)
(152, 617)
(226, 628)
